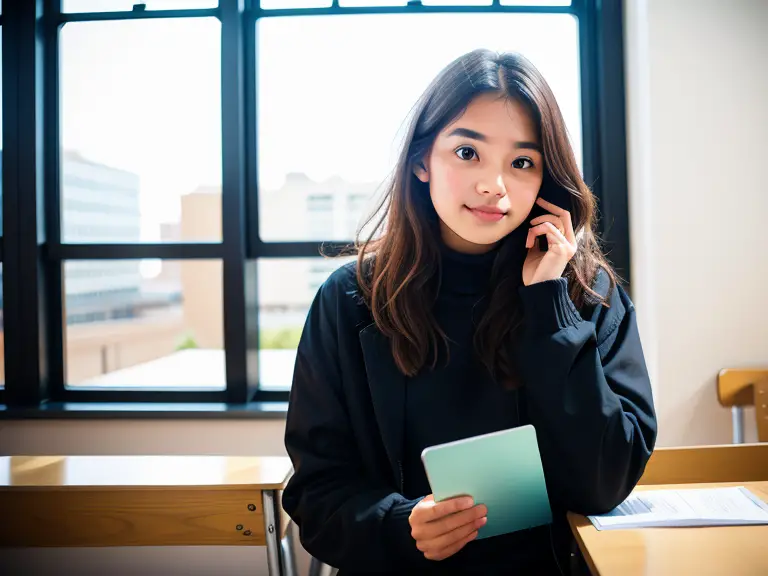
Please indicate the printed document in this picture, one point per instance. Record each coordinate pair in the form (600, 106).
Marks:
(735, 506)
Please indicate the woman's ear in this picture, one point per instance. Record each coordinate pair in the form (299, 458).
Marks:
(421, 172)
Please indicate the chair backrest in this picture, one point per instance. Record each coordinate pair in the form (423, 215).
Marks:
(738, 387)
(703, 464)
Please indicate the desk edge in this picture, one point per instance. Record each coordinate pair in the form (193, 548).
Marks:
(573, 522)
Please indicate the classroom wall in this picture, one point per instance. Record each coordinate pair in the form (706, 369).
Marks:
(697, 87)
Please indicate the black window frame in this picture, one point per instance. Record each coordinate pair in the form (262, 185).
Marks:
(33, 255)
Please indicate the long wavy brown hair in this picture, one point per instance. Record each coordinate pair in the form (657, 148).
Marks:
(398, 269)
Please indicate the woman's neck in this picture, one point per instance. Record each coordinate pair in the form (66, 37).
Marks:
(464, 273)
(461, 245)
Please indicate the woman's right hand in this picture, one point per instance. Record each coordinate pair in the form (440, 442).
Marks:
(443, 528)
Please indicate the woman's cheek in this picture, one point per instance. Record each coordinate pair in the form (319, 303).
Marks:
(523, 192)
(456, 183)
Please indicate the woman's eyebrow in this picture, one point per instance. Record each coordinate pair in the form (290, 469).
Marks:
(528, 146)
(474, 135)
(467, 133)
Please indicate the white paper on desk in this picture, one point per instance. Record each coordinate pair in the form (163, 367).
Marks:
(691, 507)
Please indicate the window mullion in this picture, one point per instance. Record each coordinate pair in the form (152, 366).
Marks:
(233, 120)
(25, 314)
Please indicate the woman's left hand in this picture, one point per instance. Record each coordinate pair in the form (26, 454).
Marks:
(561, 245)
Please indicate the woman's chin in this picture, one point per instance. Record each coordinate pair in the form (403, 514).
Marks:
(473, 243)
(484, 238)
(471, 239)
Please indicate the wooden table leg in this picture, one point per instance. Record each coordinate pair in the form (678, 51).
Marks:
(273, 530)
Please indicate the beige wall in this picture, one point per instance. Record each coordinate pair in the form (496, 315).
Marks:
(697, 118)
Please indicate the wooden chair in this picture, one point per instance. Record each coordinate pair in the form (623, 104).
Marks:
(737, 388)
(707, 464)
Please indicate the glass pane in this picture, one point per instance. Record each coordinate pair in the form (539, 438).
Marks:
(141, 130)
(127, 5)
(144, 324)
(275, 4)
(535, 2)
(347, 3)
(286, 290)
(457, 3)
(2, 332)
(322, 160)
(1, 130)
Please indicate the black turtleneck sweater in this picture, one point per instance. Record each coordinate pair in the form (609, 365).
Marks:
(460, 399)
(456, 399)
(356, 425)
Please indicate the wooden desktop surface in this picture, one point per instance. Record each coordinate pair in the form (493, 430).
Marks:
(726, 550)
(137, 500)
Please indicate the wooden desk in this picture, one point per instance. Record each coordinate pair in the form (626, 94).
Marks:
(726, 550)
(147, 501)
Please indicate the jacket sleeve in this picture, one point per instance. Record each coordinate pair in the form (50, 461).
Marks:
(589, 398)
(345, 519)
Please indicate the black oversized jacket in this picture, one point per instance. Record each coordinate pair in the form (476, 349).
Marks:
(586, 391)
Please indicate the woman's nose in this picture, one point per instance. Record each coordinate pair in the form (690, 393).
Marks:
(492, 186)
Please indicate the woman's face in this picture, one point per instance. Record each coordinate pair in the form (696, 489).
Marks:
(484, 173)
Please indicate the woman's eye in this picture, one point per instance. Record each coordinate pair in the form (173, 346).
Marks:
(466, 153)
(519, 163)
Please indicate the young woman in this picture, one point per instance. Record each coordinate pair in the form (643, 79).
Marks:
(456, 321)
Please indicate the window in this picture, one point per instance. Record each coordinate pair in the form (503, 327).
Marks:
(457, 2)
(140, 130)
(148, 324)
(187, 161)
(535, 2)
(128, 5)
(286, 290)
(307, 158)
(2, 332)
(140, 162)
(353, 3)
(282, 4)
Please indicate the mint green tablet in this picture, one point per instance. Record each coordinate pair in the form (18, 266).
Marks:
(501, 470)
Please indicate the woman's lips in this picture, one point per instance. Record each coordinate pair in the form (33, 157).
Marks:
(487, 214)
